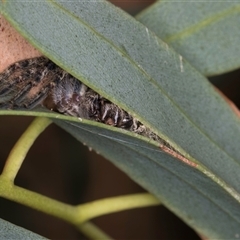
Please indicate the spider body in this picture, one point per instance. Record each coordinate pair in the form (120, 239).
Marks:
(38, 81)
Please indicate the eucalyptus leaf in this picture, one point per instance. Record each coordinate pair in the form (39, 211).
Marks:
(124, 61)
(11, 231)
(202, 203)
(206, 33)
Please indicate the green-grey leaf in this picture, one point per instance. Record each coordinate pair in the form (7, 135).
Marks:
(121, 59)
(206, 33)
(186, 191)
(11, 231)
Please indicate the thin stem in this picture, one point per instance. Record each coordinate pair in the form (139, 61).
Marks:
(92, 231)
(76, 215)
(36, 201)
(49, 206)
(22, 146)
(101, 207)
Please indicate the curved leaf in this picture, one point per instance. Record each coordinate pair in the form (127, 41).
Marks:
(206, 33)
(11, 231)
(179, 186)
(121, 59)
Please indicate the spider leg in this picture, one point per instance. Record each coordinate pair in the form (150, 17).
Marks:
(21, 94)
(5, 85)
(38, 99)
(4, 90)
(5, 106)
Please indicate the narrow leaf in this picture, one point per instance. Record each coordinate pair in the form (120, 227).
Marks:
(11, 231)
(206, 33)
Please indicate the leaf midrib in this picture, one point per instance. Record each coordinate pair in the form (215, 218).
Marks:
(187, 32)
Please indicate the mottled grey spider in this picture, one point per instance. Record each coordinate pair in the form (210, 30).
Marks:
(38, 81)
